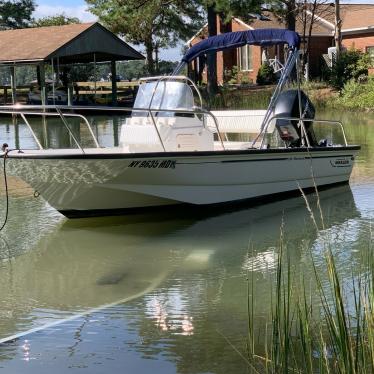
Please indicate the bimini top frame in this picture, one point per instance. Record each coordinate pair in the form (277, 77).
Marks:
(263, 38)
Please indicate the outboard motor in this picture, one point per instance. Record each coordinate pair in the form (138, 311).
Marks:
(289, 131)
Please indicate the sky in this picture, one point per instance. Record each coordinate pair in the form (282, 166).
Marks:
(78, 8)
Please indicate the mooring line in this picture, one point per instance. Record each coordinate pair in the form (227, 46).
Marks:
(80, 315)
(5, 155)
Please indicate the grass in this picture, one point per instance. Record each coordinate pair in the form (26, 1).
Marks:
(234, 98)
(259, 97)
(336, 336)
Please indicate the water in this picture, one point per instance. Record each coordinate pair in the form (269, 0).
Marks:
(161, 292)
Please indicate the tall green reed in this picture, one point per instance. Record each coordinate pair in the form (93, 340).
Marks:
(332, 337)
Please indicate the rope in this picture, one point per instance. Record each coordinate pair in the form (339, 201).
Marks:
(6, 187)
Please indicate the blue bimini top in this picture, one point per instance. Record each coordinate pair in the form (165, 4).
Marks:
(261, 37)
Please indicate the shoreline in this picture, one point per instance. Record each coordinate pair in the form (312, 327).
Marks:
(321, 94)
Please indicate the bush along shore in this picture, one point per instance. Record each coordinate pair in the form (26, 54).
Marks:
(347, 85)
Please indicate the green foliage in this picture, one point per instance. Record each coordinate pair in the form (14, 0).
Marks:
(244, 79)
(266, 75)
(357, 95)
(286, 11)
(335, 336)
(351, 64)
(153, 23)
(166, 67)
(56, 20)
(231, 75)
(235, 76)
(133, 70)
(230, 8)
(240, 98)
(16, 14)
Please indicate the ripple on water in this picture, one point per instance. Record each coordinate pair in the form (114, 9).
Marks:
(189, 276)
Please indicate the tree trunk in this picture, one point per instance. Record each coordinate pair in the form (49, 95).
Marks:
(338, 28)
(149, 54)
(291, 15)
(212, 57)
(307, 52)
(157, 66)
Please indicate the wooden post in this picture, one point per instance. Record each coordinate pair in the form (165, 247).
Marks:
(45, 132)
(16, 132)
(115, 131)
(65, 79)
(70, 94)
(13, 83)
(43, 91)
(114, 83)
(95, 76)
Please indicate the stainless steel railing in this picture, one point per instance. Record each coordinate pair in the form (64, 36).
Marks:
(17, 110)
(302, 120)
(60, 111)
(40, 110)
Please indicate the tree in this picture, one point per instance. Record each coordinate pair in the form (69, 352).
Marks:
(308, 12)
(153, 23)
(56, 20)
(225, 9)
(212, 57)
(286, 10)
(238, 8)
(338, 28)
(16, 14)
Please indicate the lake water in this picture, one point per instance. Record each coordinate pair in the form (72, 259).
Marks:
(161, 292)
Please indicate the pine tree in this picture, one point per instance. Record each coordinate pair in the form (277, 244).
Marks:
(16, 14)
(153, 23)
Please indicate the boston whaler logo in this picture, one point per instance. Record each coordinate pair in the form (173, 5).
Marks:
(153, 164)
(341, 162)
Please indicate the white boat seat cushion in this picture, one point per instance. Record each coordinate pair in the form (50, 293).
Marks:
(238, 121)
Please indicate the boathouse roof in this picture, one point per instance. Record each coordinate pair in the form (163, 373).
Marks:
(75, 43)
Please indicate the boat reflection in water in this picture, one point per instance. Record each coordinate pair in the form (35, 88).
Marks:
(179, 266)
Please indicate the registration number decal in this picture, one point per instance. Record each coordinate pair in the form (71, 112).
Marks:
(153, 164)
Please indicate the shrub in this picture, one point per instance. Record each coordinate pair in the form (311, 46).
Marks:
(244, 79)
(358, 95)
(266, 75)
(351, 64)
(231, 76)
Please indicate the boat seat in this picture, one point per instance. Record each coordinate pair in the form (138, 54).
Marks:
(139, 134)
(238, 121)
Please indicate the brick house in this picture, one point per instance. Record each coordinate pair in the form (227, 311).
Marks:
(357, 32)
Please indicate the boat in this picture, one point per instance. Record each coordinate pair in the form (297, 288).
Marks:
(56, 95)
(173, 151)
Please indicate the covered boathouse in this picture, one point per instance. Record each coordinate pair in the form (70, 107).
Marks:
(60, 47)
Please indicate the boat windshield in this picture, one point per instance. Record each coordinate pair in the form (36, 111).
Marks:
(164, 95)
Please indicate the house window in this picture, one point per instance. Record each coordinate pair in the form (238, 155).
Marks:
(245, 58)
(370, 52)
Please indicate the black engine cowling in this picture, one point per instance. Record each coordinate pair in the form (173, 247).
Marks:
(287, 106)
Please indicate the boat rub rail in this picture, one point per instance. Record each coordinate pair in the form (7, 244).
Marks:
(163, 155)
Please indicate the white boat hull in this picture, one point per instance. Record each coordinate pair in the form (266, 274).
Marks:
(95, 183)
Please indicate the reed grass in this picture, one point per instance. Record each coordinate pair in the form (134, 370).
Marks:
(332, 337)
